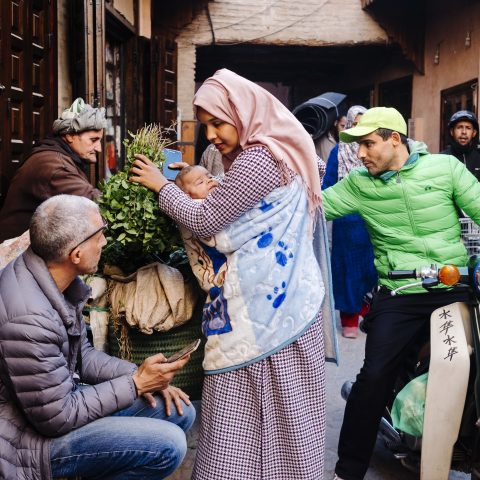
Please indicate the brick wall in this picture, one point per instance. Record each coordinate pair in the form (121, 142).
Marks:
(281, 22)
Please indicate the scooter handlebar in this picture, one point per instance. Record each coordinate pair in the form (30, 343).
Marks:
(397, 274)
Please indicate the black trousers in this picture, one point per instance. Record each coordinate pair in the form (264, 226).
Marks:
(394, 326)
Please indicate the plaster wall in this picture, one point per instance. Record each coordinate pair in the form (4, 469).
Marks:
(310, 23)
(125, 8)
(447, 27)
(145, 18)
(64, 82)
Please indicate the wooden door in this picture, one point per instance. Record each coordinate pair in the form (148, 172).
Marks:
(86, 51)
(164, 79)
(28, 86)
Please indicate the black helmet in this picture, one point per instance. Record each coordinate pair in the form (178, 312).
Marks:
(463, 115)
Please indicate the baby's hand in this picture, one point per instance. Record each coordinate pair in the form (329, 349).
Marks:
(178, 165)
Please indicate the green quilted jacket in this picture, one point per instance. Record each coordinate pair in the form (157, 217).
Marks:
(412, 214)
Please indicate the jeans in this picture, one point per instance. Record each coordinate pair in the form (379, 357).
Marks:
(136, 442)
(394, 327)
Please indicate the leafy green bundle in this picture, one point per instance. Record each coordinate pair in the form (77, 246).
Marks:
(138, 232)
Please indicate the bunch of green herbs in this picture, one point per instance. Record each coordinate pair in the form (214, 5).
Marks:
(138, 232)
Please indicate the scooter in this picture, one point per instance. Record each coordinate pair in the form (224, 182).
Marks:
(451, 425)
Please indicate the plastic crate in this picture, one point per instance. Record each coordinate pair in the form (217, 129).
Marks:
(470, 233)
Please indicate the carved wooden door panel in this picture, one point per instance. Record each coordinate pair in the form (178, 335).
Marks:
(28, 84)
(164, 79)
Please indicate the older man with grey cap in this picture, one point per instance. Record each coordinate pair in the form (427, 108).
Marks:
(58, 164)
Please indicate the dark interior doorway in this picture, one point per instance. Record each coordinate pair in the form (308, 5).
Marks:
(306, 71)
(397, 94)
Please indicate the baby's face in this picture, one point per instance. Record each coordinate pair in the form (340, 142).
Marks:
(198, 183)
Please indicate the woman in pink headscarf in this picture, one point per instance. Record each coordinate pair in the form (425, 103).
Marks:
(263, 401)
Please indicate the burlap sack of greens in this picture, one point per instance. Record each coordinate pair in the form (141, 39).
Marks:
(155, 297)
(138, 232)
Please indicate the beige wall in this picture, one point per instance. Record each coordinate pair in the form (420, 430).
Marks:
(64, 83)
(145, 18)
(310, 22)
(448, 24)
(125, 8)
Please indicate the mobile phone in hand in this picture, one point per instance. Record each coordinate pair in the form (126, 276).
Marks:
(184, 351)
(171, 156)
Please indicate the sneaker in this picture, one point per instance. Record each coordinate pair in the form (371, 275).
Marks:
(336, 477)
(350, 332)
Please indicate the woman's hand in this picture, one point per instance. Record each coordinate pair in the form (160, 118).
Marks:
(146, 173)
(176, 395)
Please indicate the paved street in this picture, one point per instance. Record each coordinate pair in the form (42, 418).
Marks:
(383, 466)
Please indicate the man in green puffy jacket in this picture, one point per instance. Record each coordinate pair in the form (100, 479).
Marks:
(409, 200)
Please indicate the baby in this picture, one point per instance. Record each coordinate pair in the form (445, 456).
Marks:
(195, 181)
(208, 264)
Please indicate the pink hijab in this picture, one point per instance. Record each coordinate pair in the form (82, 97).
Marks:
(261, 119)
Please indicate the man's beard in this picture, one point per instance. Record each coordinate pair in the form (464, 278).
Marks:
(457, 147)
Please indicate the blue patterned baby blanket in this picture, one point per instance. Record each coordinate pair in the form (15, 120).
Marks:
(264, 282)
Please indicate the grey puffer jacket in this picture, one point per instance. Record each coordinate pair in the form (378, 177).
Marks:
(43, 348)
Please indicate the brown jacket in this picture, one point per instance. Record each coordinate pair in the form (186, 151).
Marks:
(52, 169)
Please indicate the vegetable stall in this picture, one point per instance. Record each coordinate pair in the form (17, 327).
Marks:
(147, 300)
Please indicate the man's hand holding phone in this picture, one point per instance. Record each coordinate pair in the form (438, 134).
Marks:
(156, 372)
(188, 350)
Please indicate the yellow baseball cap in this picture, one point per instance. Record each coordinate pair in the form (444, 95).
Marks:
(371, 120)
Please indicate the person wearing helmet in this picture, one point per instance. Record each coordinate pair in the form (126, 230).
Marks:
(463, 129)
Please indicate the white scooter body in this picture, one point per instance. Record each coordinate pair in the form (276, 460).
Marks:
(451, 347)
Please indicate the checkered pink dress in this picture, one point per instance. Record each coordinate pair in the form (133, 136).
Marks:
(265, 421)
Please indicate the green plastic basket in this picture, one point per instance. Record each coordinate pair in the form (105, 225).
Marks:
(190, 378)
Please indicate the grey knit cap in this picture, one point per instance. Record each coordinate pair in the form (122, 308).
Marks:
(80, 117)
